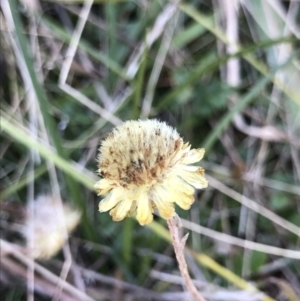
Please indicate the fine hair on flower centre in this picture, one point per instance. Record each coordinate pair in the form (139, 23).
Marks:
(139, 155)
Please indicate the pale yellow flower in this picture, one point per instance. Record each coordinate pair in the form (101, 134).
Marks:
(48, 225)
(145, 165)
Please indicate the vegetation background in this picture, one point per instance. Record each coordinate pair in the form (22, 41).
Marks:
(224, 73)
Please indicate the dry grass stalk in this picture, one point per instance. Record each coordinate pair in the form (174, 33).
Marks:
(178, 248)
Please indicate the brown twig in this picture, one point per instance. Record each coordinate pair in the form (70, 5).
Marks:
(178, 248)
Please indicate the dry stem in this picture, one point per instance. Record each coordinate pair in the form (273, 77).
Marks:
(178, 248)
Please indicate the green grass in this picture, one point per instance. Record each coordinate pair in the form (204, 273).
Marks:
(192, 93)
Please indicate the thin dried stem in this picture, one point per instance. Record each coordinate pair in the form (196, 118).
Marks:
(178, 244)
(254, 206)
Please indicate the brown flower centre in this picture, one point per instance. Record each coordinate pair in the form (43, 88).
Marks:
(138, 155)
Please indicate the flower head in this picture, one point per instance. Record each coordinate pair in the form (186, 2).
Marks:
(145, 165)
(48, 226)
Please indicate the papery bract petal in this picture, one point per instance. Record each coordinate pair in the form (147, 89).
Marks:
(121, 210)
(103, 186)
(144, 210)
(112, 199)
(162, 202)
(197, 178)
(194, 155)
